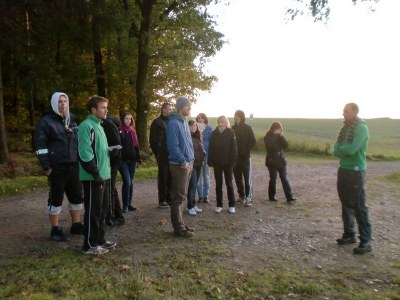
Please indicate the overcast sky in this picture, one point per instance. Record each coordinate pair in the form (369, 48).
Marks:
(273, 68)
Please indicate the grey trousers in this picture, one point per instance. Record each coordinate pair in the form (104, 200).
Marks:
(179, 187)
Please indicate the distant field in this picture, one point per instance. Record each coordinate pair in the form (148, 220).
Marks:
(320, 134)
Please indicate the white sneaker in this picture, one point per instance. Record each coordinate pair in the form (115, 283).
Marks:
(249, 202)
(96, 251)
(192, 212)
(231, 210)
(218, 209)
(198, 210)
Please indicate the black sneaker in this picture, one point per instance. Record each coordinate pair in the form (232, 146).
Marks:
(205, 200)
(362, 249)
(56, 234)
(119, 222)
(346, 240)
(184, 233)
(131, 208)
(76, 228)
(163, 205)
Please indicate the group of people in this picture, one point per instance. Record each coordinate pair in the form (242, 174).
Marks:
(82, 162)
(184, 150)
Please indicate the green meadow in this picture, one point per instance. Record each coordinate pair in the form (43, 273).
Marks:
(317, 136)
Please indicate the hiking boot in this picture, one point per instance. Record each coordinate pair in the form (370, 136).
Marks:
(346, 240)
(198, 210)
(218, 209)
(119, 222)
(163, 205)
(184, 233)
(95, 251)
(108, 245)
(192, 212)
(362, 249)
(76, 228)
(56, 234)
(189, 228)
(231, 210)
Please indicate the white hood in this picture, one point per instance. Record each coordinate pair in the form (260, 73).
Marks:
(54, 106)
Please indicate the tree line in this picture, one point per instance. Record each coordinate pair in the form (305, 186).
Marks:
(137, 53)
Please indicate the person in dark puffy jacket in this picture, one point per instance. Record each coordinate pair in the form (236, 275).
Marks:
(56, 145)
(130, 156)
(111, 126)
(275, 161)
(222, 156)
(246, 141)
(158, 144)
(199, 155)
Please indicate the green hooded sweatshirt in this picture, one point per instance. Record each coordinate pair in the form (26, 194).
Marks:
(351, 145)
(93, 150)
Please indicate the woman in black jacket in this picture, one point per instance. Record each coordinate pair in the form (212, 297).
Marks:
(222, 156)
(275, 143)
(130, 156)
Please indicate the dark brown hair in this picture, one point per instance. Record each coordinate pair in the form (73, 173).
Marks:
(196, 134)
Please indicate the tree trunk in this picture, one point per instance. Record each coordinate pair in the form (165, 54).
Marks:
(143, 73)
(97, 56)
(3, 137)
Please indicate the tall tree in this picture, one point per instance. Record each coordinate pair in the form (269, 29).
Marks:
(3, 133)
(184, 23)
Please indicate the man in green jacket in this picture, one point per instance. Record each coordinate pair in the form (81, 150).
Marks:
(351, 147)
(95, 174)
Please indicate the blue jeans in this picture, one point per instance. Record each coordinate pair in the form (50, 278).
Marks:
(194, 178)
(203, 185)
(127, 170)
(350, 186)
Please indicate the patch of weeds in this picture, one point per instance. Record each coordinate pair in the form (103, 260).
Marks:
(392, 177)
(21, 185)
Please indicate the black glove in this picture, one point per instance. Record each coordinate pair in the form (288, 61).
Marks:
(98, 179)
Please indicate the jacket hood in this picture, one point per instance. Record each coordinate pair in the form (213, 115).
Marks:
(54, 106)
(241, 115)
(176, 115)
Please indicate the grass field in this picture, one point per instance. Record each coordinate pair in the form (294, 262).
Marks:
(318, 135)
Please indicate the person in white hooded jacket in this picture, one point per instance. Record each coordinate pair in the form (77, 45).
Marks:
(56, 145)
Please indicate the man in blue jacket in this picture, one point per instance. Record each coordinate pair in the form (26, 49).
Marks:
(181, 157)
